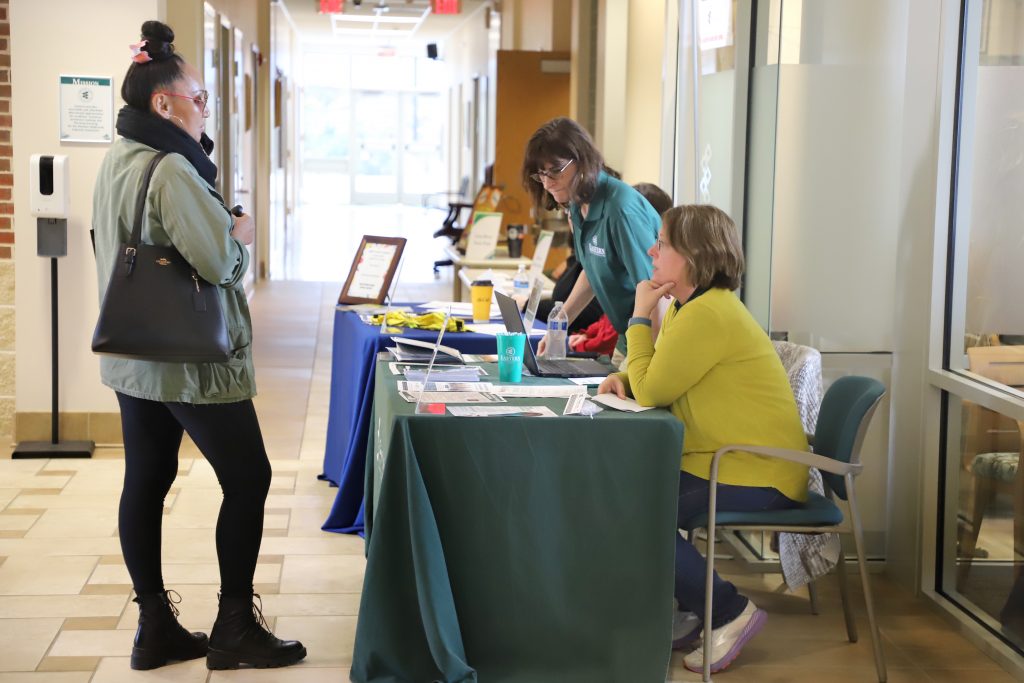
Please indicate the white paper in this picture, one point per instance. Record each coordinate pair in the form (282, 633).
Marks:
(533, 302)
(483, 236)
(497, 328)
(459, 308)
(440, 374)
(575, 404)
(450, 397)
(587, 381)
(625, 404)
(417, 347)
(501, 411)
(406, 386)
(540, 255)
(367, 310)
(715, 24)
(543, 391)
(371, 270)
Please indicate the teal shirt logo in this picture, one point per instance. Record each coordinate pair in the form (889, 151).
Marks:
(594, 248)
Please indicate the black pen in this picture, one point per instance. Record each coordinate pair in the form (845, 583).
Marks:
(236, 210)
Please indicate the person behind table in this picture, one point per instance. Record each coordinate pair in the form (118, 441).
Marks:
(166, 108)
(655, 196)
(717, 372)
(566, 274)
(599, 336)
(612, 224)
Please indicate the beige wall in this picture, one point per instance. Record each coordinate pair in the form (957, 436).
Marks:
(641, 161)
(536, 25)
(102, 50)
(7, 335)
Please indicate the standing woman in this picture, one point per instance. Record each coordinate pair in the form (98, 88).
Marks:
(613, 226)
(165, 112)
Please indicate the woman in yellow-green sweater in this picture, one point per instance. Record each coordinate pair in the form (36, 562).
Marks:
(717, 371)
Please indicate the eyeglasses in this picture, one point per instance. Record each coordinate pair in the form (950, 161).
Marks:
(539, 176)
(200, 98)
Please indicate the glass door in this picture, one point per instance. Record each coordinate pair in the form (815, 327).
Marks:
(375, 147)
(981, 541)
(422, 163)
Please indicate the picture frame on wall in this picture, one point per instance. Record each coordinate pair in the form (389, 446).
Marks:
(372, 271)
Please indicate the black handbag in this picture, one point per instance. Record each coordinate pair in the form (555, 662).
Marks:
(156, 307)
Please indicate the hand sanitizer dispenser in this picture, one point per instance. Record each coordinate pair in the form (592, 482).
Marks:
(50, 202)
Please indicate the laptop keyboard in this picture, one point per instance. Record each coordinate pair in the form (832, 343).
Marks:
(566, 366)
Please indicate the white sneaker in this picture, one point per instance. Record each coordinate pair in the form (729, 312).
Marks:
(685, 629)
(728, 640)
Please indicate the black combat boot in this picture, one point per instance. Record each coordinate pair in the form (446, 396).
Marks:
(240, 636)
(160, 638)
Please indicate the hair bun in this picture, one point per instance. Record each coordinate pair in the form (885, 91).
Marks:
(159, 39)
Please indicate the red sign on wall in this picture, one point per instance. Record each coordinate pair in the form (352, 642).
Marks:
(332, 6)
(447, 6)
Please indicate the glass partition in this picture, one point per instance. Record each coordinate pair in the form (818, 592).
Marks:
(988, 276)
(983, 564)
(982, 535)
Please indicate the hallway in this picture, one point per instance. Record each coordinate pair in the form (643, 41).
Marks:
(65, 610)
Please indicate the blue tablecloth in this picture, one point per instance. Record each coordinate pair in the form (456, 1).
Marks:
(356, 345)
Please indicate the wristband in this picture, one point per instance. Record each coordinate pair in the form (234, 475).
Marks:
(637, 320)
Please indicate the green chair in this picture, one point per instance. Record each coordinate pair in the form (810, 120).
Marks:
(845, 413)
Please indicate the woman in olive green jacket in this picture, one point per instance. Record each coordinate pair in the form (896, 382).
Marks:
(165, 112)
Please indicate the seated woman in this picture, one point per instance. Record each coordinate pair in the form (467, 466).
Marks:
(715, 369)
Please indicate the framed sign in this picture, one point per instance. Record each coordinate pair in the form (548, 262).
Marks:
(86, 109)
(373, 268)
(483, 235)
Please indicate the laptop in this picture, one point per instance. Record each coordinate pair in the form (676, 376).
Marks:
(545, 367)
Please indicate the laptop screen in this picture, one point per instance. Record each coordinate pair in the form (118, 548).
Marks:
(514, 323)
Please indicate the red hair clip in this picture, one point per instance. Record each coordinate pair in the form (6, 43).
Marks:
(139, 56)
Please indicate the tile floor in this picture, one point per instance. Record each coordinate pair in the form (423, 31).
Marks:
(65, 614)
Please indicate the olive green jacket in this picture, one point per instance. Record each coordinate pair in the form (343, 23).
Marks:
(183, 211)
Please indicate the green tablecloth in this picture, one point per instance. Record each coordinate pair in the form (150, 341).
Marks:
(517, 549)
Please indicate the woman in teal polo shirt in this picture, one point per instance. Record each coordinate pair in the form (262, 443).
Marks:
(613, 226)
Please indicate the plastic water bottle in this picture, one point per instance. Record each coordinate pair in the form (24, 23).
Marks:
(558, 328)
(521, 281)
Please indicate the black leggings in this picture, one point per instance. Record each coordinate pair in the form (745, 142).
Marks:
(228, 434)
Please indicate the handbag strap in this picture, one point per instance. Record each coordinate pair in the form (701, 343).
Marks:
(140, 201)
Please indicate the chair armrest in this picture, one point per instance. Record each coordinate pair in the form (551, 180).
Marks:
(802, 457)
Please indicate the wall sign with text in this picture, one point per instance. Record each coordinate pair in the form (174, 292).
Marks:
(373, 269)
(86, 109)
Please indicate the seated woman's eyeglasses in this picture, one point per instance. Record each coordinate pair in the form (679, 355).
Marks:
(200, 98)
(539, 176)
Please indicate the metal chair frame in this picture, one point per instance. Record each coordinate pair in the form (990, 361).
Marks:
(826, 464)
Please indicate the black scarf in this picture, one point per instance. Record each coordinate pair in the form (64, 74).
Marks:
(161, 134)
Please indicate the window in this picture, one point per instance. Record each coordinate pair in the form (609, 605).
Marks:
(982, 541)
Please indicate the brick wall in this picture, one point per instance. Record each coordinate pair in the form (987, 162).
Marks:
(6, 237)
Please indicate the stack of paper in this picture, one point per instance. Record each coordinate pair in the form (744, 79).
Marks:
(464, 373)
(501, 411)
(463, 309)
(541, 391)
(413, 350)
(498, 328)
(450, 397)
(445, 386)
